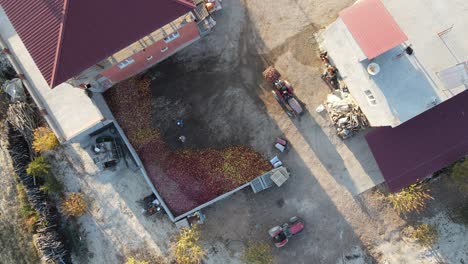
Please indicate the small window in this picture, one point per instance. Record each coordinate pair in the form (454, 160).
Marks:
(149, 58)
(125, 63)
(164, 49)
(171, 37)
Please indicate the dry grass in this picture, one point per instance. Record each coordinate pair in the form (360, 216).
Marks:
(74, 205)
(28, 214)
(424, 234)
(257, 253)
(132, 260)
(186, 247)
(411, 198)
(459, 174)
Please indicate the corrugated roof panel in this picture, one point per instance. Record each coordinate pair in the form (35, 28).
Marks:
(93, 30)
(37, 22)
(422, 145)
(373, 27)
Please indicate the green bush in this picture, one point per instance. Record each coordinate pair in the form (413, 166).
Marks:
(459, 174)
(460, 169)
(461, 214)
(39, 167)
(51, 184)
(29, 215)
(411, 198)
(257, 253)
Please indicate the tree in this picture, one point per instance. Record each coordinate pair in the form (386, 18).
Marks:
(411, 198)
(74, 205)
(39, 167)
(257, 253)
(44, 139)
(186, 247)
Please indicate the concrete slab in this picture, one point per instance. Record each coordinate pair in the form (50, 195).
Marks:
(70, 109)
(406, 85)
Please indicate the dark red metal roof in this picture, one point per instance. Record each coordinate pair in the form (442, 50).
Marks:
(373, 27)
(423, 145)
(65, 37)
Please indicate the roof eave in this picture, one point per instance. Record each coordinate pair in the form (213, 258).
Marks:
(185, 3)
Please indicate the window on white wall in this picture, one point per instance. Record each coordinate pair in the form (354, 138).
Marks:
(171, 37)
(125, 63)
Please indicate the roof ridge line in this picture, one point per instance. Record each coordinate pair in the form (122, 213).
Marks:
(58, 52)
(185, 3)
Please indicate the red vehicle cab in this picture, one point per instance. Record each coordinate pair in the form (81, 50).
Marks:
(281, 234)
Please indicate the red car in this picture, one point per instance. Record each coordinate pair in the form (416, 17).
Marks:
(281, 234)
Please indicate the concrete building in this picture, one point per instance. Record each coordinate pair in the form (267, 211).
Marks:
(61, 49)
(374, 31)
(406, 65)
(58, 46)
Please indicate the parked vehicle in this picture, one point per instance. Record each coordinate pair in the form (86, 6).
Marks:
(283, 92)
(282, 233)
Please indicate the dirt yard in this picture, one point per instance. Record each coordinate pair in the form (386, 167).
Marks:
(216, 86)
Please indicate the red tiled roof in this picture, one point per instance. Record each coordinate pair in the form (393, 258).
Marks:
(423, 145)
(373, 27)
(65, 37)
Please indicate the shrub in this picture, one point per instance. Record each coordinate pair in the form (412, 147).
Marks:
(39, 167)
(424, 234)
(29, 215)
(461, 214)
(51, 185)
(31, 221)
(186, 247)
(257, 253)
(74, 205)
(132, 260)
(459, 174)
(411, 198)
(44, 139)
(73, 236)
